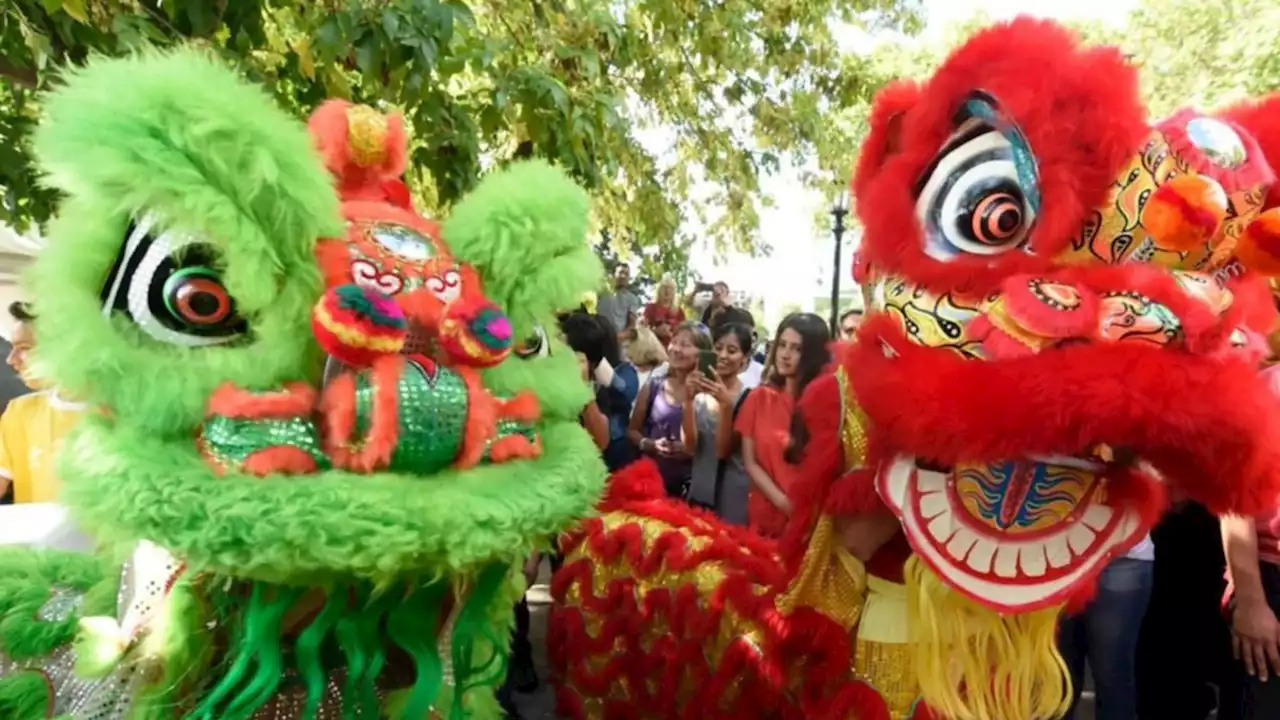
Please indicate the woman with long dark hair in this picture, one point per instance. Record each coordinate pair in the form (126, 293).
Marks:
(799, 354)
(595, 340)
(710, 406)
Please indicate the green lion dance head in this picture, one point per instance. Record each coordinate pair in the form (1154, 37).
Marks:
(176, 295)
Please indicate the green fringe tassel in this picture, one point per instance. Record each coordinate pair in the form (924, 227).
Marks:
(25, 696)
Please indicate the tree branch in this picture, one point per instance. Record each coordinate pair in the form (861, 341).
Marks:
(25, 77)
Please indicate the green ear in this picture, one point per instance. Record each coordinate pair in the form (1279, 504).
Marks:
(525, 230)
(180, 138)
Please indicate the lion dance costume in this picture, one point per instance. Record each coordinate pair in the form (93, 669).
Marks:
(275, 545)
(1068, 308)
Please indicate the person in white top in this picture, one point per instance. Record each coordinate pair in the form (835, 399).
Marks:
(754, 373)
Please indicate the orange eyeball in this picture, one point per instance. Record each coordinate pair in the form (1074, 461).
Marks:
(1258, 247)
(1186, 212)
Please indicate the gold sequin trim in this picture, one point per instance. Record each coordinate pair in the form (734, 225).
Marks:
(367, 135)
(830, 580)
(887, 668)
(853, 424)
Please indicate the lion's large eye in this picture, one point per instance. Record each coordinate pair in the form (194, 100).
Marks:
(168, 284)
(534, 346)
(979, 196)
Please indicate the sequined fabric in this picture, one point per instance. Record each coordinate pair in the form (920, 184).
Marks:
(830, 580)
(887, 668)
(367, 135)
(107, 698)
(853, 424)
(229, 441)
(507, 428)
(62, 603)
(288, 703)
(433, 413)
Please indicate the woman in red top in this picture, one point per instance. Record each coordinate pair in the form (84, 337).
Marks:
(798, 356)
(664, 313)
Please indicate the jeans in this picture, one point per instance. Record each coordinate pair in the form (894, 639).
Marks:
(1106, 635)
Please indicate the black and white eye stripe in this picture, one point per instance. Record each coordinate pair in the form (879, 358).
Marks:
(970, 200)
(534, 346)
(168, 284)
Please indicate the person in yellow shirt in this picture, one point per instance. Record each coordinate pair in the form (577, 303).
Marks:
(33, 425)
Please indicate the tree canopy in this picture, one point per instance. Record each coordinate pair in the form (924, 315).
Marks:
(731, 85)
(1189, 53)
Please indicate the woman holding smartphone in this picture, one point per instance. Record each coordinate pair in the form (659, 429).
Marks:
(798, 355)
(657, 416)
(712, 399)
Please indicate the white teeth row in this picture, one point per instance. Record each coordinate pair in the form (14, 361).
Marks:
(962, 551)
(1033, 556)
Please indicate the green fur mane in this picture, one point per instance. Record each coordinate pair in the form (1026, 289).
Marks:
(180, 136)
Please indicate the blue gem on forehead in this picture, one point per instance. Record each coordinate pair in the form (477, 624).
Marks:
(1023, 160)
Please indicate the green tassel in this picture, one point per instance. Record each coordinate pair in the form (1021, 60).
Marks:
(25, 696)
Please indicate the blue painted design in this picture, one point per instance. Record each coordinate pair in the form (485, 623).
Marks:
(1023, 159)
(1021, 496)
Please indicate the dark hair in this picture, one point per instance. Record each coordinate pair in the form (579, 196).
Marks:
(849, 312)
(591, 335)
(21, 312)
(814, 354)
(741, 332)
(733, 316)
(814, 357)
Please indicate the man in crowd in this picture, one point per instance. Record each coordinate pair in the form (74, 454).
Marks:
(622, 306)
(719, 303)
(849, 322)
(33, 425)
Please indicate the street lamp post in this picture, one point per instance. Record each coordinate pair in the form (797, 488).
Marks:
(839, 209)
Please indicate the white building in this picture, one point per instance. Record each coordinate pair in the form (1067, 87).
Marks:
(16, 252)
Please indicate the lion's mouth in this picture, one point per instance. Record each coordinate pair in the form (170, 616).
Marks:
(1015, 535)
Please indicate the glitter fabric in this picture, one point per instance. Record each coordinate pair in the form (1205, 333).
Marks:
(887, 668)
(106, 698)
(508, 427)
(62, 603)
(853, 424)
(444, 644)
(148, 576)
(289, 702)
(228, 441)
(433, 404)
(367, 135)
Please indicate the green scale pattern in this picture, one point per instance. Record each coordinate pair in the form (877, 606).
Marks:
(231, 440)
(433, 415)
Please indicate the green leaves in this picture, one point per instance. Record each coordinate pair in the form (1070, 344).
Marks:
(578, 83)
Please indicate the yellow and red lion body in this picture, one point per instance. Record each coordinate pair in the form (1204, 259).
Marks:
(1067, 311)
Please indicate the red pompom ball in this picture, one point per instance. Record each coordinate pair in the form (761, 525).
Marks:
(356, 325)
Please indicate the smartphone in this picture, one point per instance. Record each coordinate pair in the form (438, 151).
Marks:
(707, 362)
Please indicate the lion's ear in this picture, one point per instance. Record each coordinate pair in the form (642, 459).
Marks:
(1260, 117)
(884, 139)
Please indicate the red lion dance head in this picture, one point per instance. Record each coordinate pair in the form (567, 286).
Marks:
(1068, 307)
(1066, 313)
